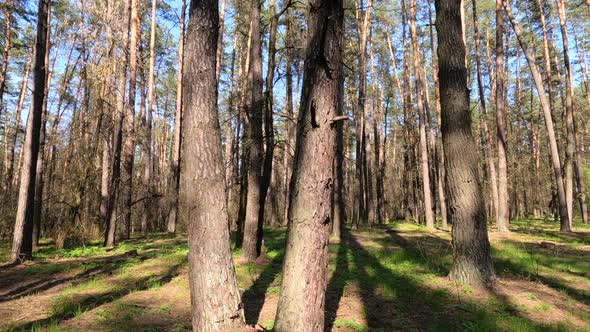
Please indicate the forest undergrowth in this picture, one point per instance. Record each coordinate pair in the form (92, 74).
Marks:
(384, 278)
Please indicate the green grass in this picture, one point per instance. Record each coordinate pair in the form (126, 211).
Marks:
(405, 282)
(402, 286)
(350, 324)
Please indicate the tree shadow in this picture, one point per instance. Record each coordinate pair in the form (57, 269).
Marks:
(397, 299)
(537, 256)
(82, 303)
(336, 285)
(254, 297)
(583, 237)
(43, 281)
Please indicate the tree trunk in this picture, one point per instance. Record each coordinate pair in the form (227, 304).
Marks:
(265, 180)
(5, 52)
(439, 153)
(255, 203)
(19, 107)
(422, 118)
(302, 295)
(339, 207)
(39, 176)
(573, 151)
(147, 213)
(503, 206)
(363, 21)
(290, 133)
(173, 216)
(113, 209)
(489, 154)
(128, 149)
(472, 261)
(216, 304)
(23, 227)
(555, 162)
(219, 54)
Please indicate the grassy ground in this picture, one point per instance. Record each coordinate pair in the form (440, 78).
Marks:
(381, 279)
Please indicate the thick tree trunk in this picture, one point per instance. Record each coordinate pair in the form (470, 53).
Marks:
(303, 287)
(472, 261)
(555, 162)
(255, 203)
(23, 227)
(503, 206)
(215, 297)
(173, 216)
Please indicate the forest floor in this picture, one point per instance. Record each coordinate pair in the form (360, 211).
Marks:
(387, 278)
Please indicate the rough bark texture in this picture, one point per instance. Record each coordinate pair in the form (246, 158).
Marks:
(23, 227)
(254, 203)
(472, 261)
(215, 298)
(302, 295)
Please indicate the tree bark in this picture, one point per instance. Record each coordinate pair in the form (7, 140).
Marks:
(363, 21)
(290, 133)
(5, 52)
(255, 203)
(128, 149)
(573, 151)
(489, 154)
(113, 206)
(503, 206)
(472, 262)
(422, 118)
(19, 107)
(268, 123)
(339, 207)
(23, 228)
(302, 295)
(147, 213)
(215, 298)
